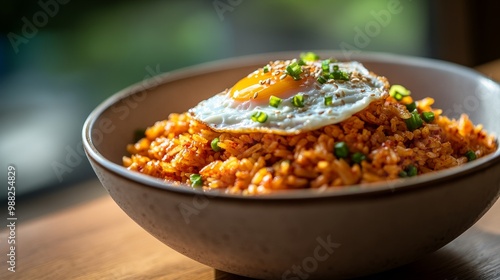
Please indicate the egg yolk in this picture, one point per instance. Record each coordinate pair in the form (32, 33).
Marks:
(262, 85)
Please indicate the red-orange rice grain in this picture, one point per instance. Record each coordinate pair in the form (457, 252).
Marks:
(257, 163)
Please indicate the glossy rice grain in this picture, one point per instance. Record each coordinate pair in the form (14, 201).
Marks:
(258, 163)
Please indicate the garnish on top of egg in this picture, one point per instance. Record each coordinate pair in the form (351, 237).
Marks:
(292, 96)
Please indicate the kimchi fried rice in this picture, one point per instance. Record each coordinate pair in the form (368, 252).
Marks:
(375, 144)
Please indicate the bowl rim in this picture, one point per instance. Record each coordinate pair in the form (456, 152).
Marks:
(361, 190)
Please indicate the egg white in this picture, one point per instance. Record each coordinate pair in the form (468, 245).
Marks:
(224, 114)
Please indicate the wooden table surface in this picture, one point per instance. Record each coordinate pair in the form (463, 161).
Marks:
(97, 240)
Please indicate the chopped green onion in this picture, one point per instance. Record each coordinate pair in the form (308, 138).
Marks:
(301, 62)
(414, 121)
(139, 134)
(274, 101)
(196, 180)
(298, 100)
(215, 146)
(294, 70)
(322, 79)
(325, 65)
(470, 155)
(428, 116)
(411, 107)
(265, 69)
(341, 150)
(337, 74)
(328, 100)
(259, 117)
(398, 92)
(411, 170)
(398, 96)
(340, 76)
(358, 157)
(309, 56)
(403, 174)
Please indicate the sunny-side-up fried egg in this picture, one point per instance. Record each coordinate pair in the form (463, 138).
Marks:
(292, 96)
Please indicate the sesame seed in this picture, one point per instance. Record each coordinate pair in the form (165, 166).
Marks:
(255, 95)
(282, 76)
(355, 80)
(262, 82)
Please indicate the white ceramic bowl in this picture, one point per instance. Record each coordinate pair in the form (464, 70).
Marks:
(302, 233)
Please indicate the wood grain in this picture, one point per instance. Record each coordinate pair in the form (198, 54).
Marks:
(96, 240)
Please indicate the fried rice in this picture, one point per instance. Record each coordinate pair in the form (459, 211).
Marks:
(258, 163)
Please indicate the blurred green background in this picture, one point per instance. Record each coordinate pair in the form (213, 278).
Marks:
(60, 59)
